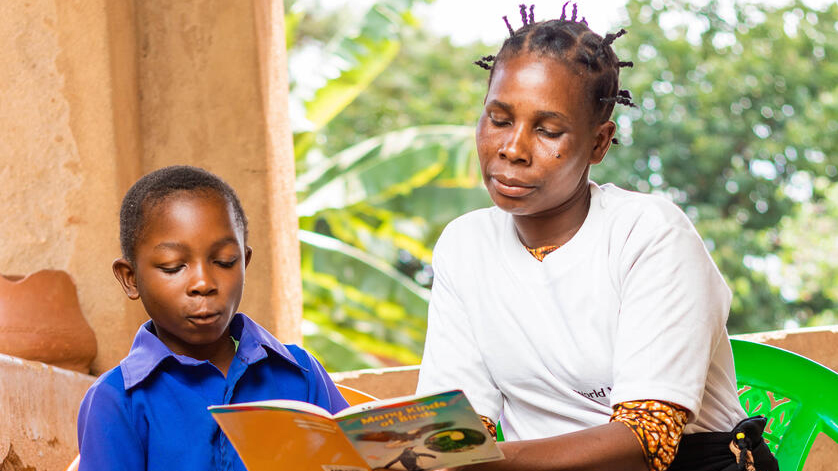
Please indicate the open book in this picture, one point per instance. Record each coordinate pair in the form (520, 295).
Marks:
(407, 433)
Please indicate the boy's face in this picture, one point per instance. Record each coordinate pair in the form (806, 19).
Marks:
(188, 271)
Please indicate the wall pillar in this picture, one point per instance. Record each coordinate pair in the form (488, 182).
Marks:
(213, 93)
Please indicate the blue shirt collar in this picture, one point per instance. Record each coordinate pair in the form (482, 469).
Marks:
(148, 352)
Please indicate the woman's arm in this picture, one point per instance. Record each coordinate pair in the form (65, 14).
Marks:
(604, 447)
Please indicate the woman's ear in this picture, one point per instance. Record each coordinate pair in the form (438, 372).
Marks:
(124, 272)
(602, 141)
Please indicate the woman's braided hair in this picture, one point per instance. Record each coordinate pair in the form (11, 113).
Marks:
(573, 42)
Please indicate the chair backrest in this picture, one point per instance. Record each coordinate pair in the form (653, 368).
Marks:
(74, 466)
(354, 396)
(798, 397)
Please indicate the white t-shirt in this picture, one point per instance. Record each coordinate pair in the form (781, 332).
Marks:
(631, 308)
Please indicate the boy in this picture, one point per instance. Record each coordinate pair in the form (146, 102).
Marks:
(184, 251)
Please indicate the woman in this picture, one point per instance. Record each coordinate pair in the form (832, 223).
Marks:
(588, 319)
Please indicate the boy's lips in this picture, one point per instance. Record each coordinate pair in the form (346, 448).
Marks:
(204, 318)
(510, 187)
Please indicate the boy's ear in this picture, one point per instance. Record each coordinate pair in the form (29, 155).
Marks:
(248, 251)
(124, 272)
(602, 141)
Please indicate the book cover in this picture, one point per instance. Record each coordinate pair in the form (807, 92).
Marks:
(409, 433)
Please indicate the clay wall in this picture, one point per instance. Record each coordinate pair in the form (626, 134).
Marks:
(96, 93)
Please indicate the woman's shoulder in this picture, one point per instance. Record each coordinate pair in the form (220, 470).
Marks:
(479, 221)
(471, 235)
(640, 210)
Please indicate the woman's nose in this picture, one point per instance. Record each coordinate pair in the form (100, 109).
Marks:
(516, 149)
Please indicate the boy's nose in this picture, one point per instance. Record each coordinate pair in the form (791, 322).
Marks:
(202, 282)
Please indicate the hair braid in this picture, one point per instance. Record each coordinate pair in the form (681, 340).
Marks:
(485, 62)
(509, 26)
(564, 7)
(523, 9)
(623, 97)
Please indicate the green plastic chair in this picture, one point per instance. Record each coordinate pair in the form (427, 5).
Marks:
(797, 396)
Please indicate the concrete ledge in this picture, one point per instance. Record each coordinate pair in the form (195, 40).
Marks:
(39, 407)
(382, 383)
(816, 343)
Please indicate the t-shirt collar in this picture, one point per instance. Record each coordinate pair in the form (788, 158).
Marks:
(148, 351)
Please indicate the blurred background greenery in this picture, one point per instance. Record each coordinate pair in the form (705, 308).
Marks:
(736, 118)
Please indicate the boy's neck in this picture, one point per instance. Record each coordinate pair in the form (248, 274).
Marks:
(220, 353)
(225, 356)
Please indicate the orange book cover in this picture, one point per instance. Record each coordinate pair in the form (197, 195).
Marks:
(409, 433)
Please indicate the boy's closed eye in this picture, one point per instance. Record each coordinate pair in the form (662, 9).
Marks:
(171, 269)
(228, 263)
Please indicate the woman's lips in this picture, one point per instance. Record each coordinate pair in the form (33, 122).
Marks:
(510, 187)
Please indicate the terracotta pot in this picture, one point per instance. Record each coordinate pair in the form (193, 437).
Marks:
(41, 320)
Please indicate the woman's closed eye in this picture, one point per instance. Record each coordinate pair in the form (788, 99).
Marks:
(548, 133)
(499, 120)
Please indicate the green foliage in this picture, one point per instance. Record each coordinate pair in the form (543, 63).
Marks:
(808, 238)
(351, 56)
(370, 211)
(369, 207)
(429, 82)
(732, 116)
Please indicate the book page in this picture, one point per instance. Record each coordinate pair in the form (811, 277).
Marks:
(416, 434)
(272, 404)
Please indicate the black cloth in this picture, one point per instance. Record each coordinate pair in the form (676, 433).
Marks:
(710, 451)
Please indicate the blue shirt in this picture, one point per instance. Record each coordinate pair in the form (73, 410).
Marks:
(150, 412)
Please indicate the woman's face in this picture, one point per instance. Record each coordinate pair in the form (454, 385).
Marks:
(536, 138)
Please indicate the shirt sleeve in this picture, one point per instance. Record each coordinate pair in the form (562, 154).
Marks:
(108, 438)
(658, 427)
(452, 358)
(326, 394)
(674, 305)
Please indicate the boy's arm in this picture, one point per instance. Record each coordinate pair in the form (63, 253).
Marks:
(326, 394)
(107, 435)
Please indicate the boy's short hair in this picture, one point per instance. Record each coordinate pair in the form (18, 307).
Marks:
(159, 185)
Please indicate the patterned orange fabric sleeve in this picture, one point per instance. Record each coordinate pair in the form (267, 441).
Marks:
(490, 426)
(658, 427)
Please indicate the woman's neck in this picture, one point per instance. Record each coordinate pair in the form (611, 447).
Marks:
(558, 225)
